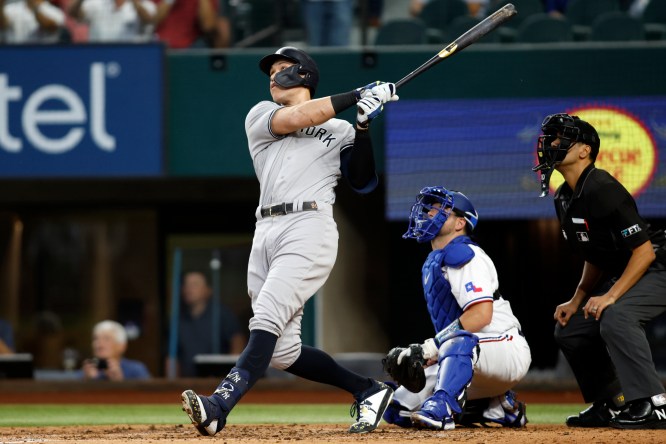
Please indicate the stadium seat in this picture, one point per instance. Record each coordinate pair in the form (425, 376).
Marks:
(437, 14)
(654, 20)
(402, 32)
(543, 28)
(581, 14)
(525, 8)
(616, 26)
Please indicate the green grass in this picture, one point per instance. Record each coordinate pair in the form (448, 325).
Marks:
(25, 415)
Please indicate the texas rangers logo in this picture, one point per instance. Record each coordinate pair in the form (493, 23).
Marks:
(470, 287)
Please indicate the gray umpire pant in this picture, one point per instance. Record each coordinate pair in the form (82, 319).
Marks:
(612, 355)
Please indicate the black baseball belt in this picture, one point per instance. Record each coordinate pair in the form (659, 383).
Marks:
(285, 208)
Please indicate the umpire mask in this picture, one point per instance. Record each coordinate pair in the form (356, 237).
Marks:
(569, 130)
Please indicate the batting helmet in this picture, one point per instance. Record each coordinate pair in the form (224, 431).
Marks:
(304, 73)
(424, 228)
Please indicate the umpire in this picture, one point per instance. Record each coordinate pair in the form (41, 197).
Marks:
(623, 283)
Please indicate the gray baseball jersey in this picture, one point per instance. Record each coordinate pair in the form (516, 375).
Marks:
(303, 165)
(292, 255)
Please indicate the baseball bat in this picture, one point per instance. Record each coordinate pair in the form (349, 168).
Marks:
(482, 28)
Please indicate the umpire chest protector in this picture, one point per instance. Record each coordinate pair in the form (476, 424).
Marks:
(442, 305)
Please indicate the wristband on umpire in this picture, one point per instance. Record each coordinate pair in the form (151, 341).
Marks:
(343, 101)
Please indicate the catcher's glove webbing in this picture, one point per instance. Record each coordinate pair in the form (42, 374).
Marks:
(405, 366)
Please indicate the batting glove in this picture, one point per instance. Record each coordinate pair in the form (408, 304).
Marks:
(364, 91)
(367, 109)
(385, 91)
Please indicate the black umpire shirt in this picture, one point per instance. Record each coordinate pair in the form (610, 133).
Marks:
(600, 220)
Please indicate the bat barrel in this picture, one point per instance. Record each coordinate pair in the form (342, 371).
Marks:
(482, 28)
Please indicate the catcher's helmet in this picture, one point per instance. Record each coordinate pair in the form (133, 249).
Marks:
(291, 77)
(569, 129)
(423, 228)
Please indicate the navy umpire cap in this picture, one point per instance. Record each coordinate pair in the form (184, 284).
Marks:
(305, 65)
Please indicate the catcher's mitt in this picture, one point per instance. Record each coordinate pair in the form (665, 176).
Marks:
(409, 372)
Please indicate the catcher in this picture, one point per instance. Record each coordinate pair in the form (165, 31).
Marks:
(464, 374)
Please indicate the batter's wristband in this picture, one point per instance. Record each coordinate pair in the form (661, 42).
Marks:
(343, 101)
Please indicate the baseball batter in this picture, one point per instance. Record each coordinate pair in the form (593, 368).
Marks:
(479, 352)
(299, 151)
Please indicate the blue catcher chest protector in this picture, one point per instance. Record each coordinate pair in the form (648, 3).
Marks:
(457, 351)
(442, 305)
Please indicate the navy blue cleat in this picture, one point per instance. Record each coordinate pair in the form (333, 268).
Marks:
(204, 412)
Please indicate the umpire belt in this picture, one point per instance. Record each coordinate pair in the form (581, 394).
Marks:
(285, 208)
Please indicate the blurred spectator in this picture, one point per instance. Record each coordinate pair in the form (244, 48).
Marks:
(476, 8)
(46, 340)
(187, 23)
(328, 22)
(221, 37)
(115, 20)
(6, 338)
(30, 21)
(635, 8)
(555, 8)
(195, 332)
(375, 11)
(109, 343)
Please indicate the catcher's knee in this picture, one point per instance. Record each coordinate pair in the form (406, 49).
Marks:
(463, 344)
(398, 415)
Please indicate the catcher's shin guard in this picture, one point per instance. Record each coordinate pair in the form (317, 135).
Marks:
(453, 377)
(456, 368)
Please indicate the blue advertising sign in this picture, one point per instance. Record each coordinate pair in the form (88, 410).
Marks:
(487, 148)
(81, 111)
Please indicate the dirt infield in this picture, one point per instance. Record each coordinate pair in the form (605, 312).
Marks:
(262, 434)
(26, 393)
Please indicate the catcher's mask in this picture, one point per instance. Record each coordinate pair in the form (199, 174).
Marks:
(304, 73)
(569, 130)
(424, 228)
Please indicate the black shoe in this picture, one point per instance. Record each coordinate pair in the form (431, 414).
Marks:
(642, 414)
(598, 414)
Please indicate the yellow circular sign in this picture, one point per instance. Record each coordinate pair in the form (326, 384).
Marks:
(628, 151)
